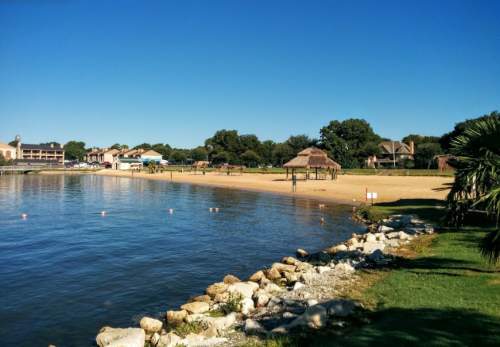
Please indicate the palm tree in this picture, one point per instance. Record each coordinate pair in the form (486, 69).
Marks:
(477, 180)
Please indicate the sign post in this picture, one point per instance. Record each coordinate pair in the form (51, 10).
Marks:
(371, 196)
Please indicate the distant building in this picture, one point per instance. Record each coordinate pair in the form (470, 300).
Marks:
(392, 151)
(41, 153)
(141, 154)
(7, 151)
(100, 155)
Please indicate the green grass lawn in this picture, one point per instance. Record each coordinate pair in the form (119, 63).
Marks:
(410, 172)
(443, 295)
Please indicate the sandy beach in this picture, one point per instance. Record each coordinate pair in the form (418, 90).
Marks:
(349, 188)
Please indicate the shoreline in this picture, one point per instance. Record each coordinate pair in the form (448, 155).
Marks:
(346, 189)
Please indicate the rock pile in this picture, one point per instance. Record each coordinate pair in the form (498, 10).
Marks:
(290, 293)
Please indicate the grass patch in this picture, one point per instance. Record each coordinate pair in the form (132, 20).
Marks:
(184, 329)
(404, 172)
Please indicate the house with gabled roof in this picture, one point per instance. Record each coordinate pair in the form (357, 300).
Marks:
(8, 152)
(100, 155)
(392, 151)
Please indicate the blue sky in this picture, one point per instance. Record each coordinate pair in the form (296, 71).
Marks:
(175, 72)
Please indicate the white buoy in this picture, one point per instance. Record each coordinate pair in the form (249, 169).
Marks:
(103, 213)
(171, 210)
(24, 215)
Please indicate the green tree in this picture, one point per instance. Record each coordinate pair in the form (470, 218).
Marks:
(300, 142)
(282, 152)
(145, 146)
(116, 146)
(419, 139)
(268, 147)
(74, 150)
(164, 150)
(221, 158)
(6, 162)
(425, 153)
(13, 143)
(250, 157)
(55, 143)
(179, 156)
(198, 153)
(357, 134)
(124, 146)
(446, 140)
(477, 179)
(224, 141)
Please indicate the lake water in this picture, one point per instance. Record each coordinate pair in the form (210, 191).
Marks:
(66, 270)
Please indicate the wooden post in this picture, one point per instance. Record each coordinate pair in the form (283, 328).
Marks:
(287, 174)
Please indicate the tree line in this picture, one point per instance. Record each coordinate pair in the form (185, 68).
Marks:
(349, 143)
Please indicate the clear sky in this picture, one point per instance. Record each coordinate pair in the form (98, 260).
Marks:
(175, 72)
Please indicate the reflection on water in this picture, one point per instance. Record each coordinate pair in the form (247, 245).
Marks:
(66, 270)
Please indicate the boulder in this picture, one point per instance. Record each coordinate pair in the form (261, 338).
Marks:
(301, 253)
(376, 255)
(176, 316)
(279, 330)
(314, 317)
(168, 340)
(344, 267)
(291, 277)
(311, 302)
(333, 250)
(203, 298)
(151, 325)
(193, 318)
(369, 247)
(129, 337)
(155, 339)
(256, 277)
(370, 237)
(261, 298)
(247, 306)
(288, 315)
(404, 236)
(275, 301)
(230, 279)
(297, 285)
(321, 256)
(252, 326)
(195, 307)
(352, 242)
(273, 273)
(340, 308)
(284, 268)
(392, 235)
(220, 323)
(384, 229)
(321, 269)
(244, 289)
(272, 288)
(224, 297)
(255, 286)
(216, 288)
(210, 332)
(191, 339)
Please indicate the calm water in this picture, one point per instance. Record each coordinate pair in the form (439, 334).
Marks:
(66, 271)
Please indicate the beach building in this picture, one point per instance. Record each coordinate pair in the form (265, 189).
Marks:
(141, 154)
(39, 153)
(100, 155)
(7, 151)
(392, 151)
(312, 158)
(121, 163)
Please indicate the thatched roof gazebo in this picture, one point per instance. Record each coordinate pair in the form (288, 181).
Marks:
(200, 164)
(231, 169)
(312, 158)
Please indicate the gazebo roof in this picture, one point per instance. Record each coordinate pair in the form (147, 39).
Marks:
(201, 163)
(312, 158)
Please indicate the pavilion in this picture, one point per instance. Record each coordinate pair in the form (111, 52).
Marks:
(312, 158)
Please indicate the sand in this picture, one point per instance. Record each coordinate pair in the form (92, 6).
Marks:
(349, 188)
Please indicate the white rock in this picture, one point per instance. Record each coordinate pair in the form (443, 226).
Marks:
(168, 340)
(344, 267)
(340, 308)
(297, 285)
(129, 337)
(311, 302)
(290, 315)
(385, 229)
(255, 286)
(314, 316)
(244, 289)
(271, 287)
(275, 301)
(370, 238)
(251, 325)
(221, 323)
(191, 339)
(279, 330)
(151, 325)
(369, 247)
(195, 307)
(247, 306)
(321, 269)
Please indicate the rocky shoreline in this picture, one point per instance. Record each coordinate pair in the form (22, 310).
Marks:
(289, 294)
